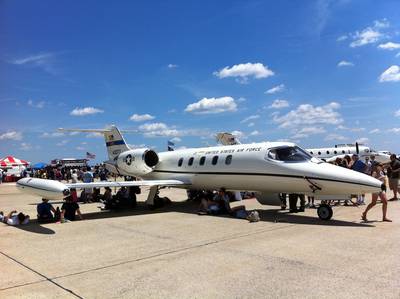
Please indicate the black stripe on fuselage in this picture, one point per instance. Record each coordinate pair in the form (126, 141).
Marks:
(263, 174)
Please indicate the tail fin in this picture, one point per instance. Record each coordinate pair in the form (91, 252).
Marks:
(115, 142)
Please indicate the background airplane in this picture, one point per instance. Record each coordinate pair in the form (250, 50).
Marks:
(328, 154)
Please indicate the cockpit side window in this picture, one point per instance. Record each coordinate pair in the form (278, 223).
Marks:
(288, 154)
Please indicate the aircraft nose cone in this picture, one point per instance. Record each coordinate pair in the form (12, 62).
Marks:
(339, 180)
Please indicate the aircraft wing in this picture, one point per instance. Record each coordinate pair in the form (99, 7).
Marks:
(56, 190)
(149, 183)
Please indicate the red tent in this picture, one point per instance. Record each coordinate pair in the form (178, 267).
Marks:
(10, 161)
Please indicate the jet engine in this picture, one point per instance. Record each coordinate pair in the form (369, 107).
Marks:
(137, 161)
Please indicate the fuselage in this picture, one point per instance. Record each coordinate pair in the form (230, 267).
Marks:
(253, 167)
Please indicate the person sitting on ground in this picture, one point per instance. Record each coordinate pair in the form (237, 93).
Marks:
(213, 204)
(109, 202)
(74, 195)
(45, 211)
(378, 173)
(69, 209)
(14, 219)
(220, 204)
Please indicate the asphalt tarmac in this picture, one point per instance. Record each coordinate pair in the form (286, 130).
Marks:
(175, 253)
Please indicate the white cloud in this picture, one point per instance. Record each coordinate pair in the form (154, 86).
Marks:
(369, 35)
(85, 111)
(25, 146)
(375, 131)
(159, 129)
(251, 125)
(345, 63)
(172, 66)
(391, 74)
(335, 137)
(141, 117)
(306, 132)
(62, 143)
(11, 135)
(244, 71)
(255, 133)
(276, 89)
(362, 140)
(212, 106)
(52, 135)
(39, 104)
(44, 61)
(94, 135)
(307, 114)
(397, 113)
(278, 104)
(312, 130)
(398, 54)
(389, 46)
(80, 148)
(251, 117)
(241, 100)
(342, 38)
(384, 23)
(394, 130)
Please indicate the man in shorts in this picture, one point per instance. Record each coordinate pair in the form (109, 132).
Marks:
(394, 173)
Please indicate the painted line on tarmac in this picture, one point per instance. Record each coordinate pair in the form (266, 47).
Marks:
(40, 274)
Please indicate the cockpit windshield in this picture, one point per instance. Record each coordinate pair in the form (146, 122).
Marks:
(289, 154)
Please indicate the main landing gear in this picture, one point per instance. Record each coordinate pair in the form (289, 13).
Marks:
(154, 200)
(324, 212)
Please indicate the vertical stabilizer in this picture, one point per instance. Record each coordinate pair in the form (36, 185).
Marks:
(115, 142)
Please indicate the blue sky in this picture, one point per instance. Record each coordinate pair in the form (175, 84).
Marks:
(314, 72)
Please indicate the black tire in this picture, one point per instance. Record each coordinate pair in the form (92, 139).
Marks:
(324, 212)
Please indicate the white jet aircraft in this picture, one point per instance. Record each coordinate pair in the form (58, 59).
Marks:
(267, 168)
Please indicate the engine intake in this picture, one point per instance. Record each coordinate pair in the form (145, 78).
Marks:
(138, 161)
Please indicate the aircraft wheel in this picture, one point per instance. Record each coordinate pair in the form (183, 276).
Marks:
(324, 212)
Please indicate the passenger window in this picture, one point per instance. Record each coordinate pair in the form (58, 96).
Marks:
(180, 162)
(327, 152)
(202, 160)
(190, 162)
(335, 152)
(311, 153)
(214, 160)
(319, 153)
(343, 152)
(228, 160)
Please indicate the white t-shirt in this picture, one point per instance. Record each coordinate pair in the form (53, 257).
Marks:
(13, 220)
(74, 178)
